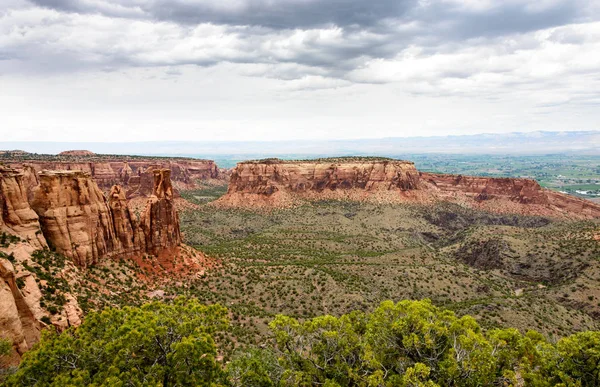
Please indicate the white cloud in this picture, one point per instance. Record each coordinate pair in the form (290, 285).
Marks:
(119, 68)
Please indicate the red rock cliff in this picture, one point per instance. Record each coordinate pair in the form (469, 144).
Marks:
(80, 223)
(129, 173)
(75, 217)
(279, 183)
(160, 222)
(16, 216)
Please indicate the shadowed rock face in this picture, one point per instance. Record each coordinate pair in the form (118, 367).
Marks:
(525, 191)
(16, 216)
(273, 183)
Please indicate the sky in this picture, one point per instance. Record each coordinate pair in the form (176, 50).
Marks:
(270, 70)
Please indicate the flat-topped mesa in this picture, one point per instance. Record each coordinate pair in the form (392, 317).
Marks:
(160, 221)
(16, 216)
(271, 175)
(277, 183)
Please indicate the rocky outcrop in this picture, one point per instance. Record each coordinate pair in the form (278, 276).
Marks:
(278, 182)
(133, 174)
(80, 223)
(160, 222)
(524, 191)
(275, 183)
(17, 320)
(75, 217)
(69, 213)
(76, 153)
(16, 216)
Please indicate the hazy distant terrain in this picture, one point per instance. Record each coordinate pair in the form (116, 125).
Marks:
(587, 142)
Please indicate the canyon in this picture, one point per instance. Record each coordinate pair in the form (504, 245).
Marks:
(69, 214)
(132, 173)
(278, 183)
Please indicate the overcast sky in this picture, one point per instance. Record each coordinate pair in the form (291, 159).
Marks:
(125, 70)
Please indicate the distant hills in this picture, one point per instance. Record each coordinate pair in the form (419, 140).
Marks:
(587, 142)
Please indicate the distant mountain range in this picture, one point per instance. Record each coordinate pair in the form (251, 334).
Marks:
(587, 142)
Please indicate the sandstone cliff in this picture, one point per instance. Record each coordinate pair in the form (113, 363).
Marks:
(80, 223)
(17, 320)
(160, 222)
(275, 183)
(16, 216)
(133, 174)
(75, 217)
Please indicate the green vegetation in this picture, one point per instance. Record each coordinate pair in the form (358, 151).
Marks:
(157, 344)
(8, 239)
(409, 343)
(333, 257)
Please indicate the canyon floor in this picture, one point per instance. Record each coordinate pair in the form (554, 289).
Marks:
(331, 257)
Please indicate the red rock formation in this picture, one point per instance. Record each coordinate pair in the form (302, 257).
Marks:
(76, 153)
(525, 191)
(70, 212)
(75, 217)
(128, 233)
(275, 183)
(17, 320)
(279, 182)
(160, 221)
(129, 173)
(80, 223)
(16, 216)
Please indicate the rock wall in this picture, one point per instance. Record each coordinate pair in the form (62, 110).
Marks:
(160, 222)
(130, 174)
(17, 320)
(69, 213)
(275, 183)
(16, 216)
(75, 217)
(525, 191)
(80, 223)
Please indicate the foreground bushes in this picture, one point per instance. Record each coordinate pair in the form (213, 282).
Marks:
(410, 343)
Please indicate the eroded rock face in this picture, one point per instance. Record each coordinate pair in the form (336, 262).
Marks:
(127, 230)
(16, 216)
(160, 222)
(275, 183)
(279, 182)
(17, 320)
(129, 174)
(70, 213)
(75, 217)
(525, 191)
(80, 223)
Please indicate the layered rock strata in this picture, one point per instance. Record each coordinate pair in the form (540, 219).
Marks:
(276, 183)
(80, 223)
(16, 216)
(69, 213)
(160, 221)
(134, 175)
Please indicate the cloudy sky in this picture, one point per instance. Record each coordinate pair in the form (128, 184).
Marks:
(125, 70)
